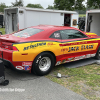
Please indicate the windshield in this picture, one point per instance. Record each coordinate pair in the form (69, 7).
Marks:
(27, 32)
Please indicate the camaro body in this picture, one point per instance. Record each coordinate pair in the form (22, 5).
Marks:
(20, 52)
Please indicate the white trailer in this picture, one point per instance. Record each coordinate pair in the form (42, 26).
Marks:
(93, 21)
(22, 17)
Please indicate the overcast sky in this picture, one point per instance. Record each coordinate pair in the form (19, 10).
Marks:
(43, 3)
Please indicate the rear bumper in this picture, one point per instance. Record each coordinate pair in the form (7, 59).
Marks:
(16, 65)
(6, 57)
(8, 63)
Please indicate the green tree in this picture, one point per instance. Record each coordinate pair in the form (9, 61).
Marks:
(17, 3)
(64, 4)
(93, 4)
(51, 7)
(34, 5)
(2, 6)
(79, 6)
(68, 4)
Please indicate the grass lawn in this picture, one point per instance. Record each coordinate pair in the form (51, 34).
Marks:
(83, 80)
(82, 15)
(2, 30)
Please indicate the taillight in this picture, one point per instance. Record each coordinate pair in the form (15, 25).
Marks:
(15, 49)
(2, 46)
(9, 47)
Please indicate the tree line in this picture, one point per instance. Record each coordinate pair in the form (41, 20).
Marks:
(73, 5)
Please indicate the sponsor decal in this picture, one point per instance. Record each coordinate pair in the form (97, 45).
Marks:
(65, 49)
(76, 48)
(27, 64)
(63, 61)
(57, 35)
(88, 55)
(93, 55)
(83, 47)
(58, 63)
(27, 68)
(19, 67)
(77, 58)
(82, 57)
(86, 47)
(51, 43)
(67, 61)
(71, 59)
(33, 46)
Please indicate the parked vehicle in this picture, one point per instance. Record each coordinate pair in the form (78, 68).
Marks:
(93, 21)
(81, 24)
(40, 48)
(17, 18)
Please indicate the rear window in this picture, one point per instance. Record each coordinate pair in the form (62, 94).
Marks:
(27, 32)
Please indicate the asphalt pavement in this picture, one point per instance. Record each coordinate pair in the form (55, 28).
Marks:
(26, 86)
(80, 63)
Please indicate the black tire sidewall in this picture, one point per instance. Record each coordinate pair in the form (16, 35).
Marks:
(97, 54)
(35, 67)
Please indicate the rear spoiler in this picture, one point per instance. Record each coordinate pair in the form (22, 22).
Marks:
(91, 34)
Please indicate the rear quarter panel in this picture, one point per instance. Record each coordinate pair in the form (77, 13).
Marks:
(28, 51)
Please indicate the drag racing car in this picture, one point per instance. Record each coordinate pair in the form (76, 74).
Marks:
(39, 48)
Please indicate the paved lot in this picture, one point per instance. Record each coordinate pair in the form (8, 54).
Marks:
(34, 88)
(80, 63)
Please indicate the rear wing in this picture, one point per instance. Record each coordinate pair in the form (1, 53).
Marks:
(91, 34)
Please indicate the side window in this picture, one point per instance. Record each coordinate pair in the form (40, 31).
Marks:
(56, 35)
(71, 34)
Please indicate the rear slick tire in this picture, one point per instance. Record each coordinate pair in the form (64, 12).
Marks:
(43, 64)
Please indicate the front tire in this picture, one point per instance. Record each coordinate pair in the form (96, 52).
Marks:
(43, 64)
(98, 54)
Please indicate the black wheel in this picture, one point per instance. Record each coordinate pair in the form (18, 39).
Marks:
(43, 64)
(98, 54)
